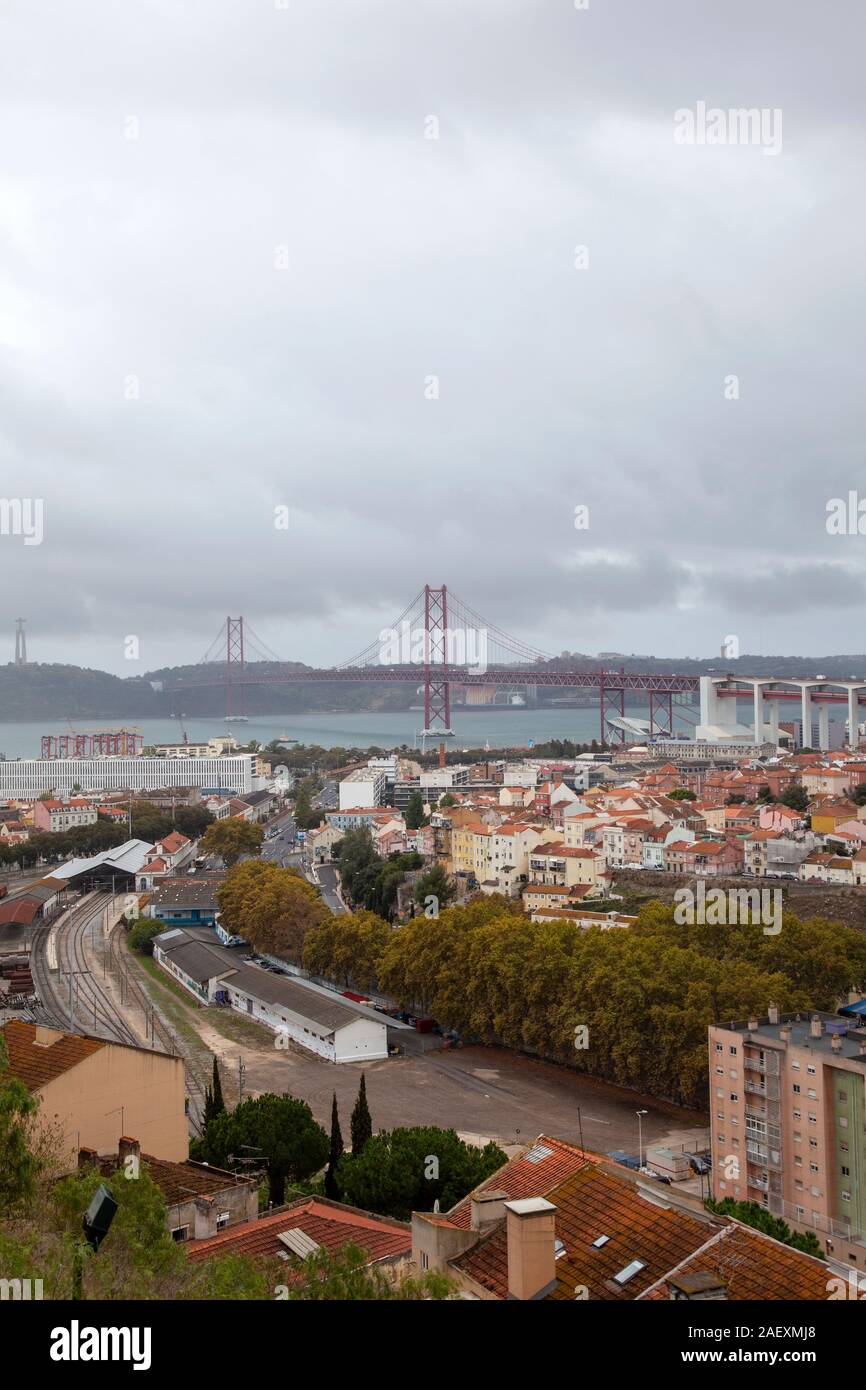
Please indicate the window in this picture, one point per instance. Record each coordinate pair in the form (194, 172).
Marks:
(843, 1096)
(631, 1269)
(811, 1071)
(813, 1143)
(223, 1220)
(795, 1066)
(734, 1096)
(180, 1233)
(798, 1162)
(425, 1260)
(813, 1095)
(733, 1051)
(801, 1212)
(797, 1115)
(799, 1184)
(796, 1088)
(720, 1071)
(843, 1123)
(846, 1172)
(846, 1196)
(813, 1119)
(813, 1167)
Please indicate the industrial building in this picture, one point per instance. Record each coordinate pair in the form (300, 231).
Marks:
(112, 868)
(321, 1022)
(31, 777)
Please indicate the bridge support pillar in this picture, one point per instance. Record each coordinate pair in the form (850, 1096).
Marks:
(823, 727)
(806, 717)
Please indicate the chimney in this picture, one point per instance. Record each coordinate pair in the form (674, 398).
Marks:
(205, 1221)
(863, 1047)
(487, 1208)
(773, 1013)
(785, 1033)
(697, 1287)
(816, 1027)
(753, 1025)
(531, 1237)
(836, 1042)
(127, 1147)
(46, 1037)
(88, 1158)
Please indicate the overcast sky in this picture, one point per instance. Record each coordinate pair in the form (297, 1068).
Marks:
(161, 161)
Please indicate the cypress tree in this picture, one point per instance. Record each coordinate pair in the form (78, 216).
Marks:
(335, 1152)
(219, 1103)
(361, 1124)
(213, 1097)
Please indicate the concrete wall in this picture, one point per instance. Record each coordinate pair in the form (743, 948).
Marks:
(116, 1091)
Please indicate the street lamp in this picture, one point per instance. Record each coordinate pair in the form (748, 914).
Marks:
(640, 1114)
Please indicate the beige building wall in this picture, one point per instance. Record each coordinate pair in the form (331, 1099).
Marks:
(117, 1091)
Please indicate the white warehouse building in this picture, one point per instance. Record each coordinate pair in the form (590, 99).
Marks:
(328, 1025)
(32, 776)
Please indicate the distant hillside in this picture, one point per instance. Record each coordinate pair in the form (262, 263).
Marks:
(43, 691)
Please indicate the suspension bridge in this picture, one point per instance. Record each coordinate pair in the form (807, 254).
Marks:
(439, 643)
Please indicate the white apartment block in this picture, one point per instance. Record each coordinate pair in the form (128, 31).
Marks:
(365, 787)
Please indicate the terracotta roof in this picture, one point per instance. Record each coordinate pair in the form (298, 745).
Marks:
(593, 1203)
(179, 1181)
(18, 910)
(329, 1224)
(35, 1063)
(753, 1266)
(531, 1174)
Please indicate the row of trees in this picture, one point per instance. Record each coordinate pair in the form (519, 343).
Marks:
(271, 908)
(148, 823)
(644, 995)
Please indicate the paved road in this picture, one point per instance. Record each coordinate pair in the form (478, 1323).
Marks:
(328, 881)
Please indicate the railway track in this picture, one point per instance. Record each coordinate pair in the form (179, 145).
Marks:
(59, 953)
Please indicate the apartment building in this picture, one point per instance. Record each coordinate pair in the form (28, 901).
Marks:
(555, 864)
(788, 1121)
(365, 787)
(56, 816)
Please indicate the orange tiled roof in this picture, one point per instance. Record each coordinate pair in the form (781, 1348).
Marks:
(755, 1267)
(35, 1064)
(329, 1224)
(526, 1177)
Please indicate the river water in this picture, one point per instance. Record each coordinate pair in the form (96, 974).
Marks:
(508, 728)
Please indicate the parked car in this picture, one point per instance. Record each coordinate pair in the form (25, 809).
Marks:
(698, 1164)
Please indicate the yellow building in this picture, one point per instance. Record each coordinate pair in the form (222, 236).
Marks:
(94, 1092)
